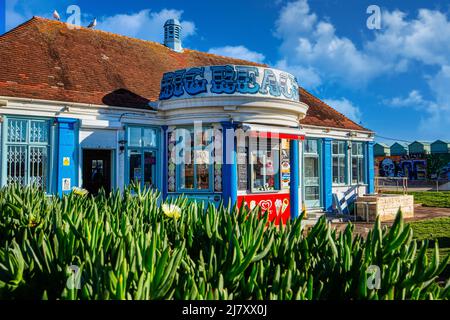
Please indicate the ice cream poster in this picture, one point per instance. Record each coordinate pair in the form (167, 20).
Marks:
(278, 205)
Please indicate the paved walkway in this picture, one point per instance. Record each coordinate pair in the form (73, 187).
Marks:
(420, 213)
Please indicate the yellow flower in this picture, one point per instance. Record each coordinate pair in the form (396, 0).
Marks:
(79, 191)
(172, 210)
(33, 221)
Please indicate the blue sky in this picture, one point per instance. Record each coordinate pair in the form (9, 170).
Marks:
(394, 80)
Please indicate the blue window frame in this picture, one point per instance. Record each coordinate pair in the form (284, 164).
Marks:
(312, 174)
(195, 160)
(142, 165)
(357, 165)
(26, 152)
(339, 162)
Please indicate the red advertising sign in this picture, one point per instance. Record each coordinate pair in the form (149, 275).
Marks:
(278, 204)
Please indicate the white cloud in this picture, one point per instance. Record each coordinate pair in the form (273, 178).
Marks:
(345, 107)
(19, 11)
(437, 120)
(311, 43)
(306, 76)
(414, 99)
(239, 52)
(422, 39)
(13, 16)
(295, 19)
(145, 24)
(312, 49)
(435, 113)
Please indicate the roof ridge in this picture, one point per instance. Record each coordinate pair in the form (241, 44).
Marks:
(43, 19)
(57, 22)
(20, 26)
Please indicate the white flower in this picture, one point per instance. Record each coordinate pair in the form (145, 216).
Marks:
(172, 210)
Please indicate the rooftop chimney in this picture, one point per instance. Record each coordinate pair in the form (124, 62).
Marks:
(172, 35)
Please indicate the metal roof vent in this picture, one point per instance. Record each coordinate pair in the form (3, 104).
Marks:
(172, 35)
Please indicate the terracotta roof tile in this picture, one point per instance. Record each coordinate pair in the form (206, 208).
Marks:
(44, 59)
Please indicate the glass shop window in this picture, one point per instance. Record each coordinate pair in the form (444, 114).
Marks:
(27, 149)
(242, 161)
(339, 162)
(142, 156)
(311, 169)
(265, 164)
(197, 159)
(357, 163)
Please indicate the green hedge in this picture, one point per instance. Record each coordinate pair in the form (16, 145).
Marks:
(126, 247)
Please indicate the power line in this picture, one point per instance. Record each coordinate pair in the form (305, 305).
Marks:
(387, 138)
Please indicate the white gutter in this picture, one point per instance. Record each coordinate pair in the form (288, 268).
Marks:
(274, 129)
(337, 129)
(74, 104)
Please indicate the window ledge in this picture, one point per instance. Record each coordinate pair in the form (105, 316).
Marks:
(349, 185)
(249, 192)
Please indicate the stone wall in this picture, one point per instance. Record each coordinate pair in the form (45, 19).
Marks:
(386, 206)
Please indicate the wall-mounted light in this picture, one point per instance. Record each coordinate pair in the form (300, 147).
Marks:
(244, 127)
(122, 144)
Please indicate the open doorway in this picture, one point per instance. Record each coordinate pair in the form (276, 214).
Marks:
(97, 170)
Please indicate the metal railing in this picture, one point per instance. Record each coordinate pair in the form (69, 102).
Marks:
(391, 183)
(405, 184)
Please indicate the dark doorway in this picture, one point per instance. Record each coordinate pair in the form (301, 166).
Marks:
(97, 170)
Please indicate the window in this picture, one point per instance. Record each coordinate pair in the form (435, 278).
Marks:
(312, 172)
(27, 152)
(195, 163)
(265, 164)
(339, 162)
(242, 161)
(142, 156)
(357, 163)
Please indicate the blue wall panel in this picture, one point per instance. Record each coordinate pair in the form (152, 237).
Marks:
(295, 178)
(327, 175)
(164, 162)
(229, 167)
(370, 168)
(67, 148)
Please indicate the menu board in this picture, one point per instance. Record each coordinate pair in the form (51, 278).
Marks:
(242, 168)
(285, 165)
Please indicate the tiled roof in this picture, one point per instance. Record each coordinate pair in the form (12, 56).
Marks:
(45, 59)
